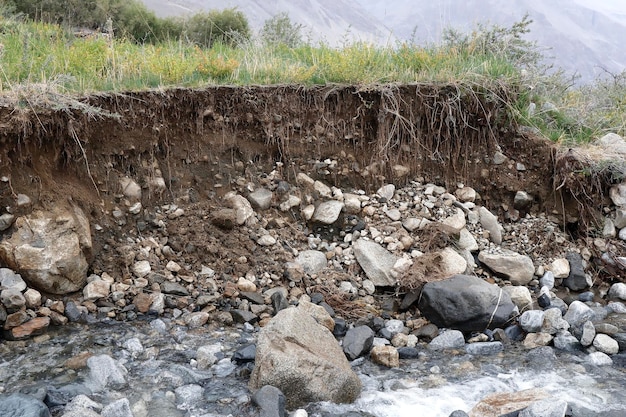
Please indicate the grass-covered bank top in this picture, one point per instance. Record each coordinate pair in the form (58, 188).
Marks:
(196, 52)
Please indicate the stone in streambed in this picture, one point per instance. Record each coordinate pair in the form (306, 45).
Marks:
(451, 339)
(577, 280)
(545, 408)
(385, 355)
(302, 359)
(358, 341)
(271, 401)
(376, 262)
(22, 405)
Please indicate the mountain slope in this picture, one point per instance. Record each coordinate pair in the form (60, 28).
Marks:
(584, 36)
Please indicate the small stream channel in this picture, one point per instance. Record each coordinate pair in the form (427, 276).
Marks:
(165, 375)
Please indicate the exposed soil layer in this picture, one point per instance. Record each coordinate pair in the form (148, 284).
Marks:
(203, 142)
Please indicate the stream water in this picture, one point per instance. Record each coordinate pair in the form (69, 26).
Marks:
(164, 370)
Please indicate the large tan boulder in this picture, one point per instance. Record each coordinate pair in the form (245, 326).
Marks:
(302, 358)
(50, 249)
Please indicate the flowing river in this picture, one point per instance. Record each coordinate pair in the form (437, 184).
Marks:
(165, 375)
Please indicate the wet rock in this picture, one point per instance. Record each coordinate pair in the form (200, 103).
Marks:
(606, 344)
(565, 341)
(104, 371)
(532, 321)
(270, 400)
(261, 198)
(553, 321)
(376, 262)
(466, 303)
(490, 223)
(503, 403)
(484, 348)
(245, 354)
(50, 249)
(118, 408)
(386, 356)
(327, 212)
(545, 408)
(23, 406)
(450, 339)
(599, 359)
(358, 341)
(577, 280)
(618, 290)
(75, 313)
(534, 340)
(518, 269)
(303, 360)
(161, 406)
(578, 313)
(408, 353)
(520, 296)
(312, 261)
(587, 334)
(33, 327)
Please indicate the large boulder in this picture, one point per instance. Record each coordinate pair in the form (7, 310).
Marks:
(302, 358)
(50, 249)
(465, 303)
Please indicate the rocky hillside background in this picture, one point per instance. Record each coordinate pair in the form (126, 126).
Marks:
(582, 36)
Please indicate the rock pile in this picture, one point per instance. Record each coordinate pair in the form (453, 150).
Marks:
(272, 244)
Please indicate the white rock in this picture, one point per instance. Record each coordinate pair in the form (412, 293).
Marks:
(620, 218)
(261, 198)
(243, 208)
(393, 214)
(490, 223)
(135, 208)
(312, 261)
(130, 188)
(618, 290)
(618, 194)
(467, 241)
(173, 266)
(141, 268)
(606, 344)
(327, 212)
(352, 203)
(266, 240)
(387, 191)
(307, 212)
(291, 202)
(466, 194)
(376, 261)
(33, 298)
(322, 189)
(411, 223)
(305, 181)
(456, 221)
(520, 295)
(560, 268)
(599, 359)
(96, 290)
(452, 263)
(518, 269)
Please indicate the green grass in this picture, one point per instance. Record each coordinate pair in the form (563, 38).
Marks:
(40, 53)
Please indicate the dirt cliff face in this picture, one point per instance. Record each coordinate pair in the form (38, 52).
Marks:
(191, 146)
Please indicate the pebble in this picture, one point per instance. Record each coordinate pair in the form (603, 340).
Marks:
(450, 339)
(605, 344)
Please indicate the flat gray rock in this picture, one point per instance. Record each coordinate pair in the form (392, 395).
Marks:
(327, 212)
(490, 223)
(312, 261)
(451, 339)
(376, 261)
(518, 269)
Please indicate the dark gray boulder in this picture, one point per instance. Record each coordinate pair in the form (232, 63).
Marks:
(358, 341)
(22, 405)
(577, 280)
(465, 303)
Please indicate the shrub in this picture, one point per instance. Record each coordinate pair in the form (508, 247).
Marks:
(229, 27)
(280, 30)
